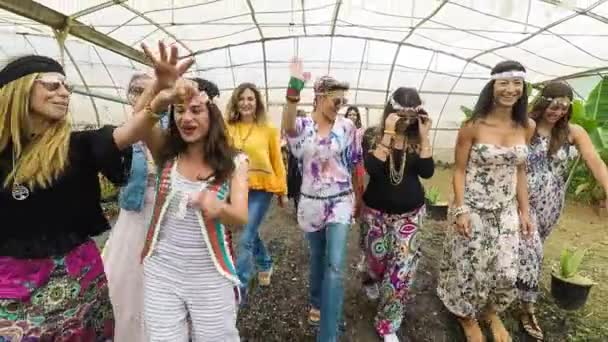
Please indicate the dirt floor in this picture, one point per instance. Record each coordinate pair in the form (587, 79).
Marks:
(279, 312)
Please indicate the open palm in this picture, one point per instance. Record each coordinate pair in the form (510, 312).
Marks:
(166, 67)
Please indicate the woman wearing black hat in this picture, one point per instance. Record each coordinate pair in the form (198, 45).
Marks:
(52, 281)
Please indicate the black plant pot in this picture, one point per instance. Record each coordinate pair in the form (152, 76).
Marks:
(437, 212)
(569, 296)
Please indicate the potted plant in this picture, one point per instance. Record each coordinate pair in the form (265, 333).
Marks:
(436, 209)
(569, 288)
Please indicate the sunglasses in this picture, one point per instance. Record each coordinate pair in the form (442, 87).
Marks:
(54, 85)
(560, 104)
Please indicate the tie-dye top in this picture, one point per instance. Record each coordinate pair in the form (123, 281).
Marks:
(327, 163)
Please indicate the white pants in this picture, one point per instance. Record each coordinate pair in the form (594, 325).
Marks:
(172, 293)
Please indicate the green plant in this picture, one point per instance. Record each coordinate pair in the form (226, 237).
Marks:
(570, 261)
(108, 190)
(432, 195)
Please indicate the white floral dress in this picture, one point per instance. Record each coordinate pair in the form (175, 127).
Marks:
(482, 270)
(547, 177)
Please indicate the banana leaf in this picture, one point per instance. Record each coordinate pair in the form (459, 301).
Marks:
(596, 105)
(596, 108)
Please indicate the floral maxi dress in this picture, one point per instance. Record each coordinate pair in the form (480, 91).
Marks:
(547, 177)
(482, 270)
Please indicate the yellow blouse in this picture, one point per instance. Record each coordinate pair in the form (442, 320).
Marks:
(261, 143)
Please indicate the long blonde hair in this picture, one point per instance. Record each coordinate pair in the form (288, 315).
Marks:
(38, 161)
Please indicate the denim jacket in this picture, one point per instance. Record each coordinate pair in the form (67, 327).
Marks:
(132, 195)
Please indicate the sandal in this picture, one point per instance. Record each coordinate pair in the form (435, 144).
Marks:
(264, 277)
(314, 317)
(471, 329)
(499, 332)
(530, 324)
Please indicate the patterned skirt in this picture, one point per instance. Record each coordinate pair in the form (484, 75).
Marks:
(55, 299)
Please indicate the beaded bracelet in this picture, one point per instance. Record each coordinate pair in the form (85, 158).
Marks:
(460, 210)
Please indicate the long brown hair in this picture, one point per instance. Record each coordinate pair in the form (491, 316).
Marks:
(232, 109)
(217, 152)
(560, 131)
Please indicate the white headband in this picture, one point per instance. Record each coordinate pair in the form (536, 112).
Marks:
(509, 74)
(397, 106)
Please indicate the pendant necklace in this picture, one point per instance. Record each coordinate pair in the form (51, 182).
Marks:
(20, 192)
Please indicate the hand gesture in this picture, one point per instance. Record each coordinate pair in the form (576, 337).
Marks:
(208, 202)
(463, 225)
(526, 226)
(296, 69)
(424, 125)
(390, 122)
(181, 93)
(166, 67)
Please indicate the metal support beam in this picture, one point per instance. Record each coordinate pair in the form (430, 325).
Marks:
(58, 21)
(335, 17)
(263, 41)
(420, 23)
(96, 8)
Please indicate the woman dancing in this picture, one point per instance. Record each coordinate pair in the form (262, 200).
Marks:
(326, 146)
(189, 271)
(52, 281)
(480, 262)
(251, 133)
(555, 144)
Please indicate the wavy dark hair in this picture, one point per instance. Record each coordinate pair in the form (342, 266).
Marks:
(217, 151)
(232, 109)
(561, 129)
(405, 97)
(358, 123)
(485, 102)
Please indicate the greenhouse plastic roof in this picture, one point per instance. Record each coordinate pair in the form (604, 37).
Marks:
(443, 48)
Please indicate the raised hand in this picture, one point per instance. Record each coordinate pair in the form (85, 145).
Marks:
(166, 67)
(181, 93)
(296, 69)
(424, 125)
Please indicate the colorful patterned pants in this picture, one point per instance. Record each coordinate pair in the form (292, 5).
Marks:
(392, 255)
(55, 299)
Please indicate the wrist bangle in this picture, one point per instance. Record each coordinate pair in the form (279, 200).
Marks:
(292, 99)
(460, 210)
(389, 132)
(150, 113)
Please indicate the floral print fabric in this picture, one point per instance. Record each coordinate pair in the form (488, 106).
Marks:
(482, 270)
(55, 299)
(547, 177)
(327, 166)
(392, 254)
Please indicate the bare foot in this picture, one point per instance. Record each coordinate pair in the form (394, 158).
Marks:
(498, 329)
(471, 329)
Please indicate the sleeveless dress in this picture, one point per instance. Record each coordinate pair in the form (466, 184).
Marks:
(483, 269)
(547, 177)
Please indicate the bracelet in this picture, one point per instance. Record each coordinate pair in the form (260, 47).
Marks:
(389, 132)
(150, 113)
(460, 210)
(294, 87)
(292, 99)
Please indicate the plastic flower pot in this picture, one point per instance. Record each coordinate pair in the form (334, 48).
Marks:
(571, 293)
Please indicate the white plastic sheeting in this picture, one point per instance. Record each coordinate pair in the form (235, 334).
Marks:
(443, 48)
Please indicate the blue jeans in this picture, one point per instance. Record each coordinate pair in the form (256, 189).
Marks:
(327, 263)
(250, 245)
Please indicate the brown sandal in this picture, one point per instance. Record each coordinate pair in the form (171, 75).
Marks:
(471, 329)
(530, 323)
(499, 332)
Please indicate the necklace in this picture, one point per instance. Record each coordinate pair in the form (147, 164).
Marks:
(244, 140)
(19, 192)
(396, 176)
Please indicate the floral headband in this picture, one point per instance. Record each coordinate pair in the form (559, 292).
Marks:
(396, 106)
